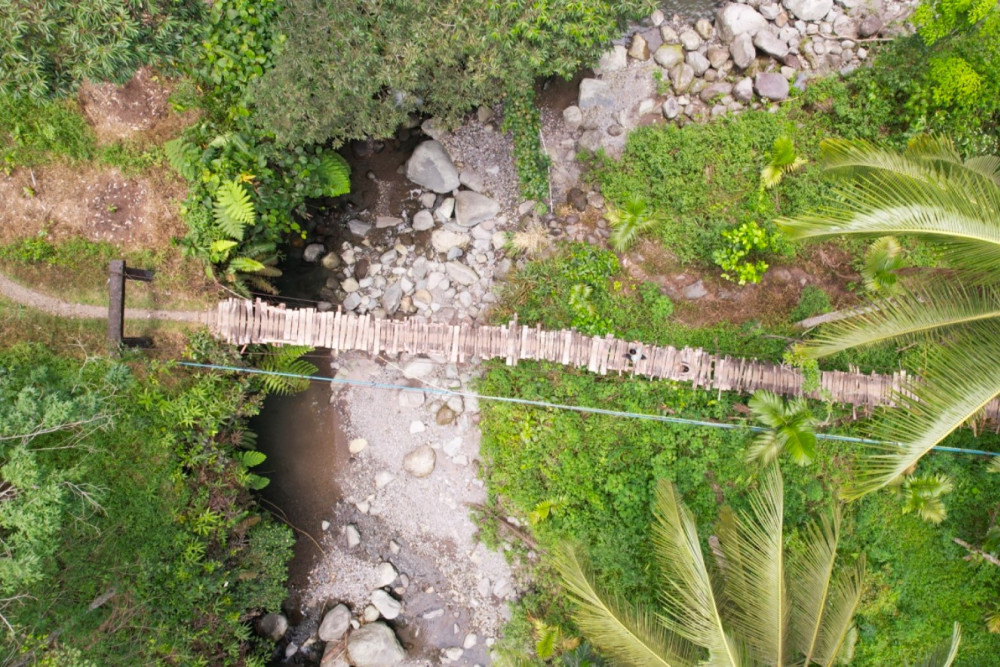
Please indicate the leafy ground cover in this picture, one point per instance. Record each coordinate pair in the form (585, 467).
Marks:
(138, 541)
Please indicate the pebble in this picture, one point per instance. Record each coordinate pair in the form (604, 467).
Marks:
(385, 574)
(417, 427)
(353, 536)
(357, 445)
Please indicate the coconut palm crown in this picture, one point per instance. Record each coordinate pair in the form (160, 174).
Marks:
(927, 192)
(758, 606)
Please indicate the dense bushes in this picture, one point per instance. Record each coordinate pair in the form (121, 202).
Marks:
(51, 47)
(359, 69)
(130, 535)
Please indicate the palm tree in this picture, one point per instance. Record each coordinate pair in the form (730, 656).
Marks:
(791, 429)
(628, 222)
(922, 494)
(758, 607)
(928, 193)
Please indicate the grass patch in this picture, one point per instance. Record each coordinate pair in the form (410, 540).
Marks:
(76, 270)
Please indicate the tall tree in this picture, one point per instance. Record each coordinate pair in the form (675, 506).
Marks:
(929, 193)
(759, 606)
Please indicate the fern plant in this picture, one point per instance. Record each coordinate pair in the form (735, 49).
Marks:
(234, 209)
(883, 258)
(783, 161)
(281, 363)
(255, 267)
(183, 156)
(628, 222)
(334, 174)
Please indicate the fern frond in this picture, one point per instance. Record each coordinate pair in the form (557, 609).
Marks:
(251, 458)
(183, 156)
(245, 265)
(335, 174)
(285, 360)
(234, 209)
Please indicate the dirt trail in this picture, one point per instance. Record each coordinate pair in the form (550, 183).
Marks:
(29, 297)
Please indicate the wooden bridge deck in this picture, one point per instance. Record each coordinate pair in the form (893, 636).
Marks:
(244, 322)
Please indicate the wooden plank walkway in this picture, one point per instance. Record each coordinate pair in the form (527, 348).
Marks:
(243, 322)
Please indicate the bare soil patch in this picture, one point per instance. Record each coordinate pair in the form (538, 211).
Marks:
(99, 204)
(139, 110)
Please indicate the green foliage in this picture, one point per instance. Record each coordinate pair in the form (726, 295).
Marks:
(791, 429)
(413, 58)
(233, 209)
(51, 47)
(129, 530)
(285, 359)
(782, 160)
(628, 222)
(740, 257)
(701, 179)
(523, 120)
(31, 130)
(922, 494)
(883, 259)
(813, 301)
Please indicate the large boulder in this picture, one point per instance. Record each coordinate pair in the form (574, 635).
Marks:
(462, 274)
(431, 167)
(681, 76)
(771, 86)
(699, 63)
(335, 624)
(595, 93)
(770, 44)
(444, 240)
(471, 208)
(669, 55)
(613, 60)
(374, 645)
(735, 19)
(742, 50)
(808, 10)
(420, 462)
(272, 626)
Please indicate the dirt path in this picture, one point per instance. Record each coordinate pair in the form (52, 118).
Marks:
(29, 297)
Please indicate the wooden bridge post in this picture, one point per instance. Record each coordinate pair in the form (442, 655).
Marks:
(118, 274)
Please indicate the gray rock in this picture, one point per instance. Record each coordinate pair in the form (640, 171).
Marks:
(695, 291)
(769, 10)
(471, 208)
(472, 180)
(668, 34)
(717, 56)
(386, 221)
(734, 19)
(870, 25)
(639, 49)
(427, 199)
(846, 27)
(715, 91)
(771, 85)
(698, 63)
(589, 141)
(418, 368)
(671, 108)
(595, 93)
(690, 40)
(385, 575)
(374, 645)
(669, 55)
(410, 398)
(370, 614)
(743, 90)
(430, 166)
(682, 75)
(352, 535)
(419, 463)
(358, 228)
(391, 298)
(272, 626)
(330, 261)
(808, 10)
(313, 252)
(422, 221)
(704, 28)
(443, 240)
(614, 59)
(573, 117)
(770, 44)
(350, 285)
(742, 50)
(657, 18)
(335, 624)
(461, 274)
(445, 210)
(351, 301)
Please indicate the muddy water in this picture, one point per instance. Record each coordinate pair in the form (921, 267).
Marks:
(305, 448)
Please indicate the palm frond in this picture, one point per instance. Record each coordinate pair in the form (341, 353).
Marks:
(689, 600)
(628, 222)
(783, 160)
(913, 315)
(882, 260)
(922, 494)
(791, 431)
(958, 381)
(994, 464)
(629, 633)
(926, 193)
(987, 165)
(822, 606)
(759, 611)
(945, 654)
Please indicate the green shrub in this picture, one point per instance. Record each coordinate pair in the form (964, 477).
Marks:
(522, 119)
(740, 258)
(33, 130)
(813, 301)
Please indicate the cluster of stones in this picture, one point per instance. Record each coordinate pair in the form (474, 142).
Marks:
(748, 57)
(438, 263)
